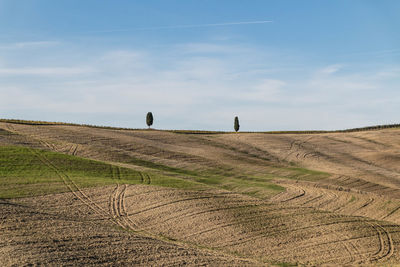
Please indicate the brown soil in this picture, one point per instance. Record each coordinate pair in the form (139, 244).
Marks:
(60, 230)
(351, 217)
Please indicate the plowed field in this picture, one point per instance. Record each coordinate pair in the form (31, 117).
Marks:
(169, 198)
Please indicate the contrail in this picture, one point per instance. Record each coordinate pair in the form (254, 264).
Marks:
(186, 26)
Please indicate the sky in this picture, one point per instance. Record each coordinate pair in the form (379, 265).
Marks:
(196, 64)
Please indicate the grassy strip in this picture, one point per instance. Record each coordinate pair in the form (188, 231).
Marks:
(23, 174)
(215, 176)
(306, 174)
(256, 184)
(160, 167)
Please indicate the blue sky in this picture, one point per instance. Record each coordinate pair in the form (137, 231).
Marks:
(278, 65)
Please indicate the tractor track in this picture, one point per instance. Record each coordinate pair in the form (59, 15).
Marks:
(369, 201)
(299, 144)
(171, 203)
(385, 251)
(302, 194)
(247, 220)
(75, 150)
(72, 186)
(193, 214)
(117, 202)
(391, 213)
(145, 178)
(266, 234)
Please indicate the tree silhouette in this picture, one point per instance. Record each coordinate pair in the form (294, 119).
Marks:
(149, 119)
(236, 124)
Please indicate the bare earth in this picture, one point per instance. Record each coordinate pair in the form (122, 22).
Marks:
(350, 217)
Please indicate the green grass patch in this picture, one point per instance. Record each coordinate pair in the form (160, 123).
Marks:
(260, 189)
(209, 180)
(26, 172)
(29, 172)
(160, 167)
(4, 132)
(167, 181)
(304, 174)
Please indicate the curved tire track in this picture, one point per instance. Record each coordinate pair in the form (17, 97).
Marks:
(72, 186)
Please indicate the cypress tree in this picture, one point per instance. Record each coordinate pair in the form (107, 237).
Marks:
(236, 124)
(149, 119)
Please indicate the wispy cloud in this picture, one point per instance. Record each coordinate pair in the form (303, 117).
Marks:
(29, 44)
(331, 69)
(200, 87)
(36, 44)
(186, 26)
(375, 53)
(45, 71)
(209, 48)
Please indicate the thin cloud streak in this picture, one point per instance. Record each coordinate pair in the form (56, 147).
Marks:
(45, 71)
(36, 44)
(29, 44)
(377, 53)
(187, 26)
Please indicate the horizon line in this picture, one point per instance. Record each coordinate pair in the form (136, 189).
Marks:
(357, 129)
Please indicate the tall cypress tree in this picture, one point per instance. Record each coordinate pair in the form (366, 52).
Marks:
(149, 119)
(236, 124)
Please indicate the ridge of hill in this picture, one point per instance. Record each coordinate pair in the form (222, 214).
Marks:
(359, 129)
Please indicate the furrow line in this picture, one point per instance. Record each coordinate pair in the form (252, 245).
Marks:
(75, 150)
(131, 224)
(266, 234)
(392, 212)
(311, 200)
(303, 193)
(192, 214)
(66, 179)
(252, 218)
(383, 252)
(170, 203)
(141, 177)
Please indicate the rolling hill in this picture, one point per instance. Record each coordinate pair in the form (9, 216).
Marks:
(109, 195)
